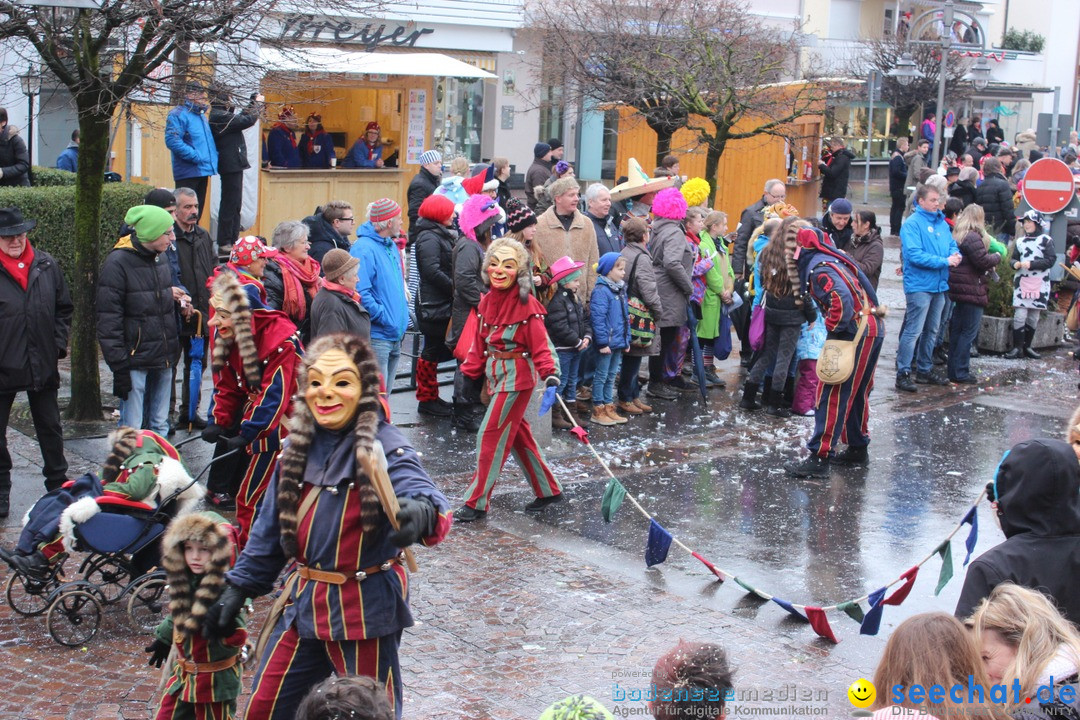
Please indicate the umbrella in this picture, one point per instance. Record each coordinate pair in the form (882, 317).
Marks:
(198, 352)
(695, 346)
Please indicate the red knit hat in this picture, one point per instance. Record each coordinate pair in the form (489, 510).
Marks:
(383, 210)
(437, 208)
(373, 126)
(475, 184)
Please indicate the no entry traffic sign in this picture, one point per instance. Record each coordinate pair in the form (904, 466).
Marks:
(1048, 185)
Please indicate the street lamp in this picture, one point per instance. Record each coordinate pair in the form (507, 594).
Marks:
(979, 74)
(31, 86)
(905, 70)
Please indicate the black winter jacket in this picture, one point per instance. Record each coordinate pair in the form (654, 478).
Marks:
(136, 313)
(1038, 490)
(963, 189)
(783, 311)
(967, 281)
(996, 197)
(435, 264)
(323, 237)
(468, 285)
(834, 176)
(567, 321)
(14, 160)
(34, 325)
(332, 312)
(228, 129)
(840, 238)
(422, 185)
(959, 140)
(897, 173)
(751, 220)
(195, 252)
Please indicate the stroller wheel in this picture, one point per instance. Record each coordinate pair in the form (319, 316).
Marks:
(74, 617)
(28, 596)
(149, 603)
(109, 574)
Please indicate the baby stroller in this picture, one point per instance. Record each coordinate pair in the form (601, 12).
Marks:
(121, 538)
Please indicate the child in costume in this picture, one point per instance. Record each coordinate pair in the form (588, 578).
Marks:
(1032, 259)
(567, 323)
(511, 347)
(611, 331)
(204, 675)
(345, 600)
(255, 355)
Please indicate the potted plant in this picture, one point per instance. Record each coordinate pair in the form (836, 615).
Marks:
(995, 334)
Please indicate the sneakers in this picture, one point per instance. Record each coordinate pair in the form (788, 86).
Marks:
(542, 502)
(931, 378)
(813, 466)
(904, 383)
(600, 416)
(714, 380)
(435, 408)
(466, 514)
(658, 389)
(853, 456)
(629, 408)
(683, 384)
(642, 406)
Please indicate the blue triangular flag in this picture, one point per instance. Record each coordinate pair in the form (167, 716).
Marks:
(972, 518)
(872, 621)
(787, 606)
(659, 543)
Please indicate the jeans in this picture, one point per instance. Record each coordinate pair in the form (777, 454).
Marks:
(185, 385)
(629, 385)
(153, 387)
(896, 212)
(387, 353)
(45, 411)
(607, 367)
(569, 362)
(963, 329)
(587, 366)
(920, 326)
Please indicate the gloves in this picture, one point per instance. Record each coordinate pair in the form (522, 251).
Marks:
(236, 442)
(416, 519)
(548, 400)
(552, 381)
(159, 652)
(121, 384)
(221, 617)
(212, 432)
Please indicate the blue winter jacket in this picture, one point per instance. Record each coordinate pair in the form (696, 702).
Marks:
(610, 315)
(927, 242)
(358, 155)
(759, 289)
(280, 149)
(69, 159)
(187, 135)
(381, 286)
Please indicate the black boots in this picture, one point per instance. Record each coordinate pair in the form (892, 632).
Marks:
(5, 503)
(466, 514)
(1029, 337)
(749, 396)
(775, 406)
(853, 456)
(813, 466)
(1018, 343)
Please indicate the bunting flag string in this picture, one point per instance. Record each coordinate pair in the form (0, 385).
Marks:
(660, 542)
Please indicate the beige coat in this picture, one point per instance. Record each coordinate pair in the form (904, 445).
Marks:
(579, 243)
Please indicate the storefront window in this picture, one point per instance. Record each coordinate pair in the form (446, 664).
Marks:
(459, 117)
(608, 171)
(551, 113)
(849, 122)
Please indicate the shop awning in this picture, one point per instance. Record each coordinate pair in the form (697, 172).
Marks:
(351, 62)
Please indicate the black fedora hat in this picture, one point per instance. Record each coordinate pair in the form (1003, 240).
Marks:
(12, 223)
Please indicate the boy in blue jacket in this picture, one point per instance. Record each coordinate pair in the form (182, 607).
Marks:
(611, 334)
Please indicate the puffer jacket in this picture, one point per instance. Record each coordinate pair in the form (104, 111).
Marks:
(188, 136)
(136, 317)
(567, 320)
(967, 281)
(14, 160)
(468, 285)
(782, 310)
(609, 315)
(995, 195)
(673, 262)
(435, 263)
(963, 189)
(34, 324)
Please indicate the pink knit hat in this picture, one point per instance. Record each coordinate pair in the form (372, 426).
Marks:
(478, 211)
(383, 210)
(669, 203)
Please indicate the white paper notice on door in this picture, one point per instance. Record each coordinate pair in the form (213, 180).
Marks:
(417, 126)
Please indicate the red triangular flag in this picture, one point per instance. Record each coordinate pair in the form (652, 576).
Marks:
(820, 623)
(580, 433)
(712, 568)
(901, 593)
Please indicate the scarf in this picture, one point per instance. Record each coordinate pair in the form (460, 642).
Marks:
(299, 278)
(343, 290)
(283, 126)
(19, 267)
(308, 142)
(370, 150)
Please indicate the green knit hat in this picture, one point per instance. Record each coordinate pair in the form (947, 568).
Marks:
(577, 707)
(150, 222)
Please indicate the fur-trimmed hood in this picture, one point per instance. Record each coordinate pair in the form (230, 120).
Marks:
(189, 609)
(302, 425)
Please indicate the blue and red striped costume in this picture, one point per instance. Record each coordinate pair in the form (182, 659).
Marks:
(842, 292)
(351, 628)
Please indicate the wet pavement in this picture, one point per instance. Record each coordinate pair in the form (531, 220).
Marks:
(519, 610)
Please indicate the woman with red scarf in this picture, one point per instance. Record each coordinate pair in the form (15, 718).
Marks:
(292, 277)
(366, 152)
(316, 145)
(281, 147)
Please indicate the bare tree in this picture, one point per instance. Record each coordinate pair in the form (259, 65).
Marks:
(103, 57)
(710, 66)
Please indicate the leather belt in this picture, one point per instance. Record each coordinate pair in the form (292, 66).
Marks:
(508, 354)
(194, 668)
(339, 578)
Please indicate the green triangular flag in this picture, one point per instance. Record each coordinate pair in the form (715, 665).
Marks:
(613, 497)
(852, 610)
(945, 551)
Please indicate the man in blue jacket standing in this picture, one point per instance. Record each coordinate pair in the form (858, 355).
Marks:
(929, 251)
(381, 283)
(188, 137)
(69, 159)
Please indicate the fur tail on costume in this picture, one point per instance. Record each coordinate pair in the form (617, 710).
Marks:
(233, 297)
(122, 442)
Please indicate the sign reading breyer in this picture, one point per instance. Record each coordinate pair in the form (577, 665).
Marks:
(370, 34)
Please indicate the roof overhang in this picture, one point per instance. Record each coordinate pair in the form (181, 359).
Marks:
(354, 62)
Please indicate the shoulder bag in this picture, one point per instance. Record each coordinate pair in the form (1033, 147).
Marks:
(642, 325)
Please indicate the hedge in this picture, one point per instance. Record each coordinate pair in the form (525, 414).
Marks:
(51, 177)
(54, 210)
